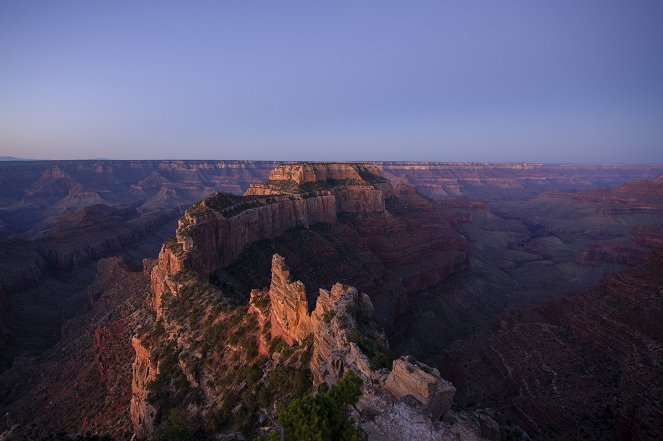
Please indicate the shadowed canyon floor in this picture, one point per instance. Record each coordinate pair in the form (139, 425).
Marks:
(468, 282)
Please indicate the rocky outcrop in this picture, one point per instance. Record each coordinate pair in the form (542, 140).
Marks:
(215, 232)
(384, 419)
(335, 325)
(169, 263)
(404, 403)
(290, 318)
(144, 370)
(409, 377)
(403, 241)
(358, 188)
(303, 173)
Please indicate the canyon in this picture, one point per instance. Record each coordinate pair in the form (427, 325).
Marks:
(458, 292)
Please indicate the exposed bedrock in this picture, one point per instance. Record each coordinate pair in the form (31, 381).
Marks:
(83, 383)
(587, 366)
(392, 246)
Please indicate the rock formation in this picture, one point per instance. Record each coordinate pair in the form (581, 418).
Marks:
(339, 333)
(409, 377)
(83, 383)
(41, 191)
(585, 366)
(290, 317)
(43, 281)
(402, 240)
(404, 403)
(144, 371)
(375, 270)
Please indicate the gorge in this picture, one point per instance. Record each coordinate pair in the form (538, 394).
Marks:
(431, 281)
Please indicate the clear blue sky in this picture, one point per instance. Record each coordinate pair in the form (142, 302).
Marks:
(550, 81)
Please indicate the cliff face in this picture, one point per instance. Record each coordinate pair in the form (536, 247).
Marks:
(43, 281)
(143, 372)
(34, 194)
(585, 366)
(345, 338)
(290, 318)
(312, 173)
(358, 188)
(206, 332)
(83, 383)
(216, 237)
(402, 241)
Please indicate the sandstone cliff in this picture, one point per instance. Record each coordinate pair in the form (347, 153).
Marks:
(201, 334)
(402, 240)
(38, 191)
(345, 337)
(403, 403)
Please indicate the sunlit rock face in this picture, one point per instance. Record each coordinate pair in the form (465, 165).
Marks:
(408, 377)
(339, 322)
(405, 399)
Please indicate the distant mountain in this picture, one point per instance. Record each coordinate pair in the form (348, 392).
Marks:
(14, 158)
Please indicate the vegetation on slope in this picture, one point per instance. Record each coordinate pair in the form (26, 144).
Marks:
(212, 378)
(322, 416)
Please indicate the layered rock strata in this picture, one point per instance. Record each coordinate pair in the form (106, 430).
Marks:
(586, 366)
(144, 371)
(403, 403)
(409, 377)
(340, 327)
(83, 384)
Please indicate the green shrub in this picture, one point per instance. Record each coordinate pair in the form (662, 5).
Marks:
(250, 345)
(170, 388)
(176, 427)
(324, 416)
(378, 355)
(328, 316)
(276, 345)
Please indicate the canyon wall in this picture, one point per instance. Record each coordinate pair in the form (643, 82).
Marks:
(83, 383)
(488, 181)
(586, 366)
(34, 194)
(214, 232)
(343, 226)
(220, 234)
(340, 331)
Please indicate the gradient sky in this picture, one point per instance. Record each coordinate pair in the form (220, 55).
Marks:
(540, 81)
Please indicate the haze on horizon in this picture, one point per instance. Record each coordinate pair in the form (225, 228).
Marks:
(562, 81)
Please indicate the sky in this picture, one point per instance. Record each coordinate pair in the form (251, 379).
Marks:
(466, 80)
